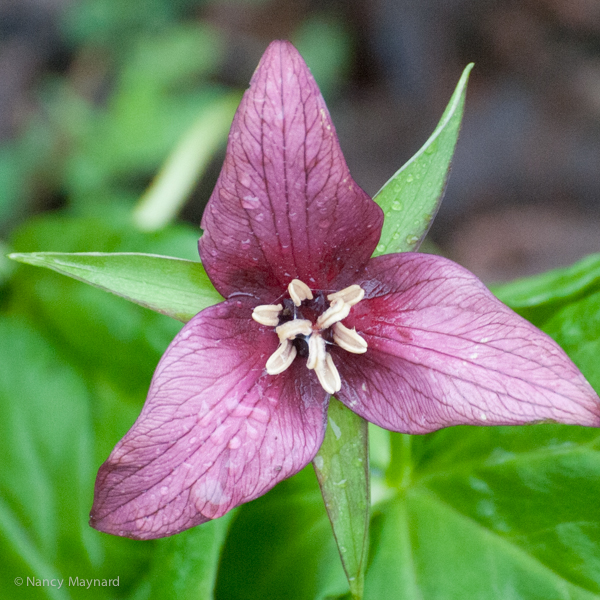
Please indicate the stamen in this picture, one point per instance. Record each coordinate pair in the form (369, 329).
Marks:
(299, 291)
(348, 339)
(319, 359)
(351, 295)
(282, 358)
(336, 312)
(289, 330)
(316, 351)
(328, 375)
(267, 314)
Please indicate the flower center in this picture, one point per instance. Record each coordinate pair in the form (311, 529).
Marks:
(305, 326)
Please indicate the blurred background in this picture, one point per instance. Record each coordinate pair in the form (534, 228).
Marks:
(96, 94)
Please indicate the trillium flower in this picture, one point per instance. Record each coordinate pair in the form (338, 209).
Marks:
(410, 342)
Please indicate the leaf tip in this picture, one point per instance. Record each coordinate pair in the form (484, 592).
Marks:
(466, 72)
(23, 257)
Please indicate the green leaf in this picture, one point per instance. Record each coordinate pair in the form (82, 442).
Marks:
(342, 468)
(185, 566)
(111, 340)
(281, 547)
(538, 298)
(565, 303)
(412, 196)
(47, 470)
(576, 327)
(170, 286)
(490, 513)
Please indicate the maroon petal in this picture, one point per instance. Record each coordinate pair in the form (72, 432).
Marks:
(216, 430)
(444, 351)
(285, 206)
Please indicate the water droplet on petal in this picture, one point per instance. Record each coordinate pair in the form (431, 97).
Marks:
(396, 205)
(409, 178)
(381, 248)
(250, 202)
(324, 224)
(411, 239)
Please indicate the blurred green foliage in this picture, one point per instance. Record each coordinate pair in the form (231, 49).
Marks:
(139, 76)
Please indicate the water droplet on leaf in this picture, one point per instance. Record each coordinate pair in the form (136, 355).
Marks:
(431, 148)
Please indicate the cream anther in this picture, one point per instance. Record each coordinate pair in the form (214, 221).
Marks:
(289, 330)
(328, 375)
(348, 339)
(267, 314)
(320, 360)
(351, 295)
(311, 333)
(316, 351)
(282, 358)
(299, 291)
(337, 311)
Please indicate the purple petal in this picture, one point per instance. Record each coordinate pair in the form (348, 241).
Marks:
(285, 206)
(216, 430)
(444, 351)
